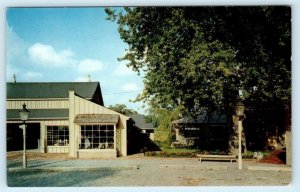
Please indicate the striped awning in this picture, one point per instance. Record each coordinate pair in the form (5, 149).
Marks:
(96, 118)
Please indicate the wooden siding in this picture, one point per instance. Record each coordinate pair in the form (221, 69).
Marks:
(43, 132)
(38, 104)
(79, 105)
(58, 149)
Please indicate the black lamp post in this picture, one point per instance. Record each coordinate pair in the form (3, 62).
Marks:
(239, 110)
(24, 113)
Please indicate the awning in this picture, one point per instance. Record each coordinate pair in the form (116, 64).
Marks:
(96, 118)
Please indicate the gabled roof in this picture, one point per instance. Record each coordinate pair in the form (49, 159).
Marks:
(41, 90)
(215, 118)
(140, 122)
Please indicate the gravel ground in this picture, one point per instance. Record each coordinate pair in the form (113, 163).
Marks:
(139, 171)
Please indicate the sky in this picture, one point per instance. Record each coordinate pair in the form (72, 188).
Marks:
(69, 45)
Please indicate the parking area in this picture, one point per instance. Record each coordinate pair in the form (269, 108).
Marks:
(136, 170)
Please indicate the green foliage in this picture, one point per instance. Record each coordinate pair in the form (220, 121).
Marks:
(121, 108)
(152, 119)
(201, 56)
(164, 118)
(249, 154)
(170, 154)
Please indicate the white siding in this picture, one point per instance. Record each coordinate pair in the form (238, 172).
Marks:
(79, 105)
(38, 104)
(43, 132)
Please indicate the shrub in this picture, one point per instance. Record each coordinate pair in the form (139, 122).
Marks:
(169, 154)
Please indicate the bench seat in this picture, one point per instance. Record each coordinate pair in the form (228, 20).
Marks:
(217, 157)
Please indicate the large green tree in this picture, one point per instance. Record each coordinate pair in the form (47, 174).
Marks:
(121, 108)
(202, 56)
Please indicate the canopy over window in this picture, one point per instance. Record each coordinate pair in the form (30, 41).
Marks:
(96, 119)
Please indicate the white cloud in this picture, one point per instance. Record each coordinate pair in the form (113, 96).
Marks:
(16, 48)
(82, 79)
(21, 75)
(130, 87)
(123, 70)
(89, 66)
(47, 55)
(29, 75)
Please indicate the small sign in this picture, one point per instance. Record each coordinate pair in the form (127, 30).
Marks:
(22, 126)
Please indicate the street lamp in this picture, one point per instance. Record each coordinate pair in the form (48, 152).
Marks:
(24, 113)
(239, 110)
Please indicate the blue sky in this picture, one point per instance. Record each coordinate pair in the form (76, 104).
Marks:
(66, 45)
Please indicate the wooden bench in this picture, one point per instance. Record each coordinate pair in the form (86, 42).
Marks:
(217, 157)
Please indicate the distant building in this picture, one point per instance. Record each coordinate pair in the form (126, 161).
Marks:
(65, 118)
(203, 132)
(140, 123)
(264, 128)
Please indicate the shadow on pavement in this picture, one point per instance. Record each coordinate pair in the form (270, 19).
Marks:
(56, 178)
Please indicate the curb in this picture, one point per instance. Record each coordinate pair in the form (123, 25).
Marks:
(21, 169)
(260, 168)
(207, 167)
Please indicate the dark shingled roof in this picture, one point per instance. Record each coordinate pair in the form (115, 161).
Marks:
(96, 118)
(13, 114)
(50, 90)
(215, 118)
(140, 122)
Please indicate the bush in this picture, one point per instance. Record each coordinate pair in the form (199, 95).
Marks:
(169, 154)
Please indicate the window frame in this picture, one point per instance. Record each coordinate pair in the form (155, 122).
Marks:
(97, 137)
(56, 137)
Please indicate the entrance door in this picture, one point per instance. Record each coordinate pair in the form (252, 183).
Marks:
(14, 136)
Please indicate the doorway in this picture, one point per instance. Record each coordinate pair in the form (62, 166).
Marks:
(14, 136)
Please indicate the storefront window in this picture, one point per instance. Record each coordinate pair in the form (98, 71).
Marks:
(57, 135)
(96, 137)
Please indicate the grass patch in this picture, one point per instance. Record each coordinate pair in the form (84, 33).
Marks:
(170, 154)
(167, 151)
(180, 150)
(249, 154)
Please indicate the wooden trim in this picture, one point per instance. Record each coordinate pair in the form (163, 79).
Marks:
(37, 99)
(96, 123)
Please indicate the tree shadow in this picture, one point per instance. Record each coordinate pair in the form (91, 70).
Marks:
(140, 142)
(57, 178)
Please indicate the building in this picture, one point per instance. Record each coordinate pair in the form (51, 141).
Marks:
(143, 126)
(204, 132)
(263, 128)
(65, 117)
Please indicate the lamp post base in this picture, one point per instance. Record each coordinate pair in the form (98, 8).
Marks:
(24, 160)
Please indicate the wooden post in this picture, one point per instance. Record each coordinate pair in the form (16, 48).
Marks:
(240, 144)
(24, 147)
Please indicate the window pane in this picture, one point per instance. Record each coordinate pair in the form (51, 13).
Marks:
(110, 127)
(57, 136)
(96, 137)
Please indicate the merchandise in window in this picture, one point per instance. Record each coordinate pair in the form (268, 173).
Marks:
(57, 135)
(96, 137)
